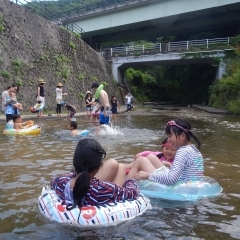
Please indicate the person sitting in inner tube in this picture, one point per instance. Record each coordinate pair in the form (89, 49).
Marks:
(18, 124)
(93, 182)
(188, 162)
(166, 156)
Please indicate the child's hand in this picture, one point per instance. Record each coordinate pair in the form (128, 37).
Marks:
(167, 164)
(142, 175)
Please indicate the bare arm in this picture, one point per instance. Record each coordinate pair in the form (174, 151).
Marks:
(38, 93)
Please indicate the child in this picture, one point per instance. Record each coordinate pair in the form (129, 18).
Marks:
(14, 103)
(18, 124)
(188, 162)
(114, 104)
(166, 156)
(71, 110)
(73, 128)
(88, 101)
(129, 100)
(95, 110)
(94, 183)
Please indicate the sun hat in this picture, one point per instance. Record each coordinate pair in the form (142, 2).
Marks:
(88, 92)
(59, 85)
(41, 81)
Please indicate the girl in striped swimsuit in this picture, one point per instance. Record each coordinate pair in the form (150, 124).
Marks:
(92, 183)
(188, 162)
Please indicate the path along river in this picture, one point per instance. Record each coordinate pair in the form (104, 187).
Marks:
(29, 162)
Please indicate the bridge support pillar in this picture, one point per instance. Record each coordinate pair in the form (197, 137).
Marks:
(221, 69)
(117, 74)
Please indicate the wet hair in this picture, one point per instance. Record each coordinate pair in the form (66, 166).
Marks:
(95, 85)
(87, 158)
(186, 128)
(15, 117)
(73, 124)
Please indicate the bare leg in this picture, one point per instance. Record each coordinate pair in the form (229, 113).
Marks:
(155, 161)
(112, 171)
(142, 164)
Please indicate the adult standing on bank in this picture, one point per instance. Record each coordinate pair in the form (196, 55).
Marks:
(59, 96)
(40, 95)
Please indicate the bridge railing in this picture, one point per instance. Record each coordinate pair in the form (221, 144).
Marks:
(42, 9)
(170, 47)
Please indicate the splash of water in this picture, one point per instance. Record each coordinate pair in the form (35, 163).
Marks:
(109, 130)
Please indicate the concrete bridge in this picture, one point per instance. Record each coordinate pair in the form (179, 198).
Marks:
(141, 19)
(207, 51)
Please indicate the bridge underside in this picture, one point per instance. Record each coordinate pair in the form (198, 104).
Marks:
(221, 17)
(210, 61)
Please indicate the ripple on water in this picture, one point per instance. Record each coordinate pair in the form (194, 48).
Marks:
(29, 162)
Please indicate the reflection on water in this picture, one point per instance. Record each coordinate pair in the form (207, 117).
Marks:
(29, 162)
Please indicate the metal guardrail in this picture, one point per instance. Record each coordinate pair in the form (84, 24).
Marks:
(151, 48)
(42, 9)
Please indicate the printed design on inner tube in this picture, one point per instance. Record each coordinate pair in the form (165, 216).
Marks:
(88, 212)
(110, 214)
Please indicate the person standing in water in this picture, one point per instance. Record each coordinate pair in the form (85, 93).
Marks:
(40, 95)
(114, 105)
(104, 102)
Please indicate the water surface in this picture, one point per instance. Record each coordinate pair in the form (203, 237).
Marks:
(29, 162)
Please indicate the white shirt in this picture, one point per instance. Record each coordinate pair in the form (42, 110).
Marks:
(129, 99)
(59, 93)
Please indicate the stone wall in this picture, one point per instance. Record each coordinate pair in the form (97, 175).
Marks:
(32, 48)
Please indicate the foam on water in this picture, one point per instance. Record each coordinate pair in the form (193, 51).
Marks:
(109, 130)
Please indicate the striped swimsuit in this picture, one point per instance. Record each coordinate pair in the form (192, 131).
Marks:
(99, 192)
(187, 165)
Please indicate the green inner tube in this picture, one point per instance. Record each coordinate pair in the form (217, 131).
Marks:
(97, 93)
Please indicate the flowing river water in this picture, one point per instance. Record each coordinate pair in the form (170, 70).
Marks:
(27, 163)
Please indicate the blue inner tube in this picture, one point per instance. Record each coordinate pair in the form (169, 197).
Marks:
(181, 191)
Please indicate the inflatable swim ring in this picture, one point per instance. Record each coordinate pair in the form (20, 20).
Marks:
(50, 206)
(181, 191)
(83, 133)
(35, 129)
(99, 89)
(37, 107)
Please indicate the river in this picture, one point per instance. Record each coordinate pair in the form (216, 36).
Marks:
(29, 162)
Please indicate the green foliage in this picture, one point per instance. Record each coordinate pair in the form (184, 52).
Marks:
(1, 59)
(225, 93)
(72, 45)
(1, 24)
(19, 82)
(65, 73)
(16, 63)
(77, 35)
(62, 59)
(80, 95)
(5, 74)
(81, 76)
